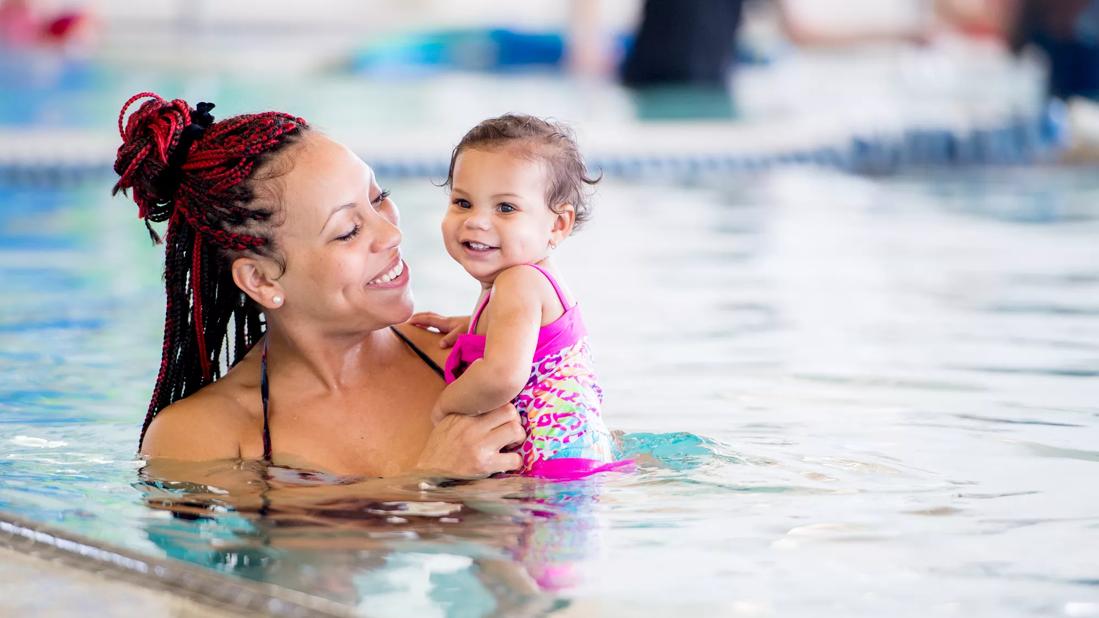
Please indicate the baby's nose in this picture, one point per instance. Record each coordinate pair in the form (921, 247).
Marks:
(477, 221)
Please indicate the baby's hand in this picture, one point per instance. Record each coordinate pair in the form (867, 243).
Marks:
(450, 327)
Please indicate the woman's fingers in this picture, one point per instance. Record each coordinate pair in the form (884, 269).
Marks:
(508, 434)
(507, 462)
(500, 416)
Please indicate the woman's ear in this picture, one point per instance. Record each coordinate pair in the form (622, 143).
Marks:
(256, 278)
(562, 223)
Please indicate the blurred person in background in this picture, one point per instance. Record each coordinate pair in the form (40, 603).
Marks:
(1067, 32)
(25, 24)
(681, 57)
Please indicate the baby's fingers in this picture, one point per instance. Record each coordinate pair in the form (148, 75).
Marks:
(428, 320)
(449, 339)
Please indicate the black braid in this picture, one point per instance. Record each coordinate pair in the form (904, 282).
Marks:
(205, 191)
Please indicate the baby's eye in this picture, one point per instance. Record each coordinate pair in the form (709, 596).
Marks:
(460, 203)
(348, 236)
(505, 207)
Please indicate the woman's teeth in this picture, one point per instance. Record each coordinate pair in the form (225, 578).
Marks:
(391, 275)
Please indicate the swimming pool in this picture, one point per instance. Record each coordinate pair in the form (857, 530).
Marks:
(850, 395)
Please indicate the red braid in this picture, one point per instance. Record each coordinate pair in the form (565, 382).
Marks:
(212, 217)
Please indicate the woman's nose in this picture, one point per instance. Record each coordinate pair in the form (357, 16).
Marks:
(386, 235)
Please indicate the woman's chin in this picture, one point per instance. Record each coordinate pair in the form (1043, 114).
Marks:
(402, 308)
(406, 309)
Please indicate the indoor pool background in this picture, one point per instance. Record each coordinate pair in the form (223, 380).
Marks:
(849, 395)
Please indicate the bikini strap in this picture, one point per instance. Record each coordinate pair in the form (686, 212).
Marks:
(265, 393)
(265, 385)
(423, 355)
(556, 288)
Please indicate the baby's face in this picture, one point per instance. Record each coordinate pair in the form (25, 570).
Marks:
(498, 217)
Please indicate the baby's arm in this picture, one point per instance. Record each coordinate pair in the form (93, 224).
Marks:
(514, 316)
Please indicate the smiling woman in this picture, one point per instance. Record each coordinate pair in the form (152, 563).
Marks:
(279, 234)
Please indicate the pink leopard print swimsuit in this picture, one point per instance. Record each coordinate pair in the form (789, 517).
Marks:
(560, 404)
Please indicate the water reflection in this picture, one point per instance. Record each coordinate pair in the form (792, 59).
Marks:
(501, 544)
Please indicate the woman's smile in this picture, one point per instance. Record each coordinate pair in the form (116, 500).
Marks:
(395, 277)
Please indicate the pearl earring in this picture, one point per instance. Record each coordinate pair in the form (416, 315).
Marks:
(277, 300)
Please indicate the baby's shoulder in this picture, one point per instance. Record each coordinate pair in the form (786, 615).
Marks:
(532, 287)
(522, 281)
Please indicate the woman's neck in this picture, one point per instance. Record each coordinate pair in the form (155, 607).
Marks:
(334, 361)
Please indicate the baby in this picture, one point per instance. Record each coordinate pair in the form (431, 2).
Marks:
(516, 193)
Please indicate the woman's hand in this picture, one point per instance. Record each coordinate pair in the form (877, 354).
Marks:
(463, 446)
(450, 327)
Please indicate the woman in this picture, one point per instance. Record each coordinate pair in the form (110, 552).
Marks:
(281, 242)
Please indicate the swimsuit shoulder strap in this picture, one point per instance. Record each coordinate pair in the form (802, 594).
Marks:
(265, 393)
(423, 355)
(553, 282)
(265, 386)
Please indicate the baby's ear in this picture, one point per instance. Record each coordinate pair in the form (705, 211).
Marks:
(564, 221)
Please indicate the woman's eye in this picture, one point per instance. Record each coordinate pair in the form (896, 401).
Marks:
(348, 236)
(381, 197)
(505, 207)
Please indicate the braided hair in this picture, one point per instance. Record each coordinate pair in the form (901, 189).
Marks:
(206, 191)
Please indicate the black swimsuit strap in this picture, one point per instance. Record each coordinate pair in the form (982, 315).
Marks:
(423, 356)
(265, 393)
(265, 385)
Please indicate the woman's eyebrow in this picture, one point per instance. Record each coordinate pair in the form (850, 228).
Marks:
(333, 213)
(370, 185)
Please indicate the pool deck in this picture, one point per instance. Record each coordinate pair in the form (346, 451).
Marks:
(36, 586)
(46, 571)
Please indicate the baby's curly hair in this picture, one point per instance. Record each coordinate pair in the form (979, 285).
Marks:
(549, 142)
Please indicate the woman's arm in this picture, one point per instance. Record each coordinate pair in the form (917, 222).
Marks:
(515, 315)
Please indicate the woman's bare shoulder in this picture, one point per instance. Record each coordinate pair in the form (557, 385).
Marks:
(208, 424)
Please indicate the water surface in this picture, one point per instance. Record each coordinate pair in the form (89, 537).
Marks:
(854, 396)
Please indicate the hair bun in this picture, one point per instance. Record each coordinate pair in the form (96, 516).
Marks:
(148, 137)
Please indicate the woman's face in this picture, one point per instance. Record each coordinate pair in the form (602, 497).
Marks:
(341, 242)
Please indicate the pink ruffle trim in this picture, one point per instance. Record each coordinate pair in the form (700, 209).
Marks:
(572, 468)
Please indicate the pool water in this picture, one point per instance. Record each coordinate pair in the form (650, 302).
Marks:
(848, 395)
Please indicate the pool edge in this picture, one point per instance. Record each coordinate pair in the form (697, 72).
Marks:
(175, 578)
